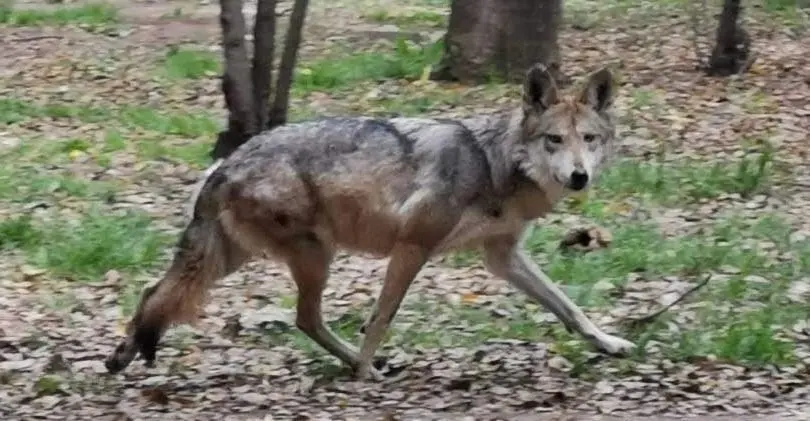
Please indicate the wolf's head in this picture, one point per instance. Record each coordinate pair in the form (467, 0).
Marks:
(565, 140)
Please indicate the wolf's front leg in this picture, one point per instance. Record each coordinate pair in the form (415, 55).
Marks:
(504, 259)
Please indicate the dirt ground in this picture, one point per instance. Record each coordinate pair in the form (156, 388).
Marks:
(210, 375)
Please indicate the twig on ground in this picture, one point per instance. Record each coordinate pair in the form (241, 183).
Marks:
(207, 346)
(37, 38)
(636, 322)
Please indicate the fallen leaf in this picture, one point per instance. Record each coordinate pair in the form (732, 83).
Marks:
(155, 395)
(469, 298)
(586, 239)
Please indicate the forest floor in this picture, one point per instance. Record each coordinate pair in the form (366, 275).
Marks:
(109, 112)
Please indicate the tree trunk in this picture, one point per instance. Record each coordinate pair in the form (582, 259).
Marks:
(247, 87)
(264, 34)
(236, 82)
(281, 102)
(731, 53)
(500, 39)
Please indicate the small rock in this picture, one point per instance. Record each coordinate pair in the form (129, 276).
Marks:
(49, 402)
(603, 285)
(253, 398)
(96, 366)
(756, 279)
(559, 363)
(267, 316)
(17, 365)
(500, 390)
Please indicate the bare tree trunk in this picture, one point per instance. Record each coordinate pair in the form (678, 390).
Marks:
(731, 53)
(264, 34)
(281, 102)
(500, 39)
(247, 88)
(236, 82)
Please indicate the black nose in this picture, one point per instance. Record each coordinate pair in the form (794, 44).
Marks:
(578, 181)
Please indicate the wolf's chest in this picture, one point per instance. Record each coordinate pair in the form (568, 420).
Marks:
(475, 226)
(478, 224)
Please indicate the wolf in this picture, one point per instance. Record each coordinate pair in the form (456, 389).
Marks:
(403, 188)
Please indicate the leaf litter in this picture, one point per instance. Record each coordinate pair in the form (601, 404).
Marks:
(50, 352)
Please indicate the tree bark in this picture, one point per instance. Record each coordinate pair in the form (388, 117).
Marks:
(731, 53)
(236, 82)
(281, 102)
(500, 39)
(247, 88)
(264, 34)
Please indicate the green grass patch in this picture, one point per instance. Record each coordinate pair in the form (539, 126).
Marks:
(748, 321)
(14, 110)
(182, 63)
(753, 337)
(26, 183)
(783, 6)
(91, 16)
(177, 123)
(587, 14)
(412, 103)
(641, 248)
(431, 3)
(86, 248)
(672, 183)
(196, 154)
(150, 134)
(166, 122)
(84, 113)
(18, 232)
(403, 62)
(417, 18)
(57, 186)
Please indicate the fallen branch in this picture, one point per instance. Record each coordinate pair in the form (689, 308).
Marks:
(652, 316)
(37, 38)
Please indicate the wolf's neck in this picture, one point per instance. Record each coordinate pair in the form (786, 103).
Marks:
(497, 136)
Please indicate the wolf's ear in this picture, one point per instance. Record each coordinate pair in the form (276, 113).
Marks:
(598, 91)
(539, 89)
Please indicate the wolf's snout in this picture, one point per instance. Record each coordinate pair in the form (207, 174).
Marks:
(578, 180)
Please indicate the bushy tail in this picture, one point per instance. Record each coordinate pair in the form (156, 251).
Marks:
(204, 255)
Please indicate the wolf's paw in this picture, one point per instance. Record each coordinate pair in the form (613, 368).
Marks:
(615, 345)
(120, 358)
(143, 342)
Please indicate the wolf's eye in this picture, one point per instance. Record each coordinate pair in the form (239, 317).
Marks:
(589, 138)
(554, 138)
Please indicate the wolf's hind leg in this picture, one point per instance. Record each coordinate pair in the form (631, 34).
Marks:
(204, 255)
(405, 263)
(309, 261)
